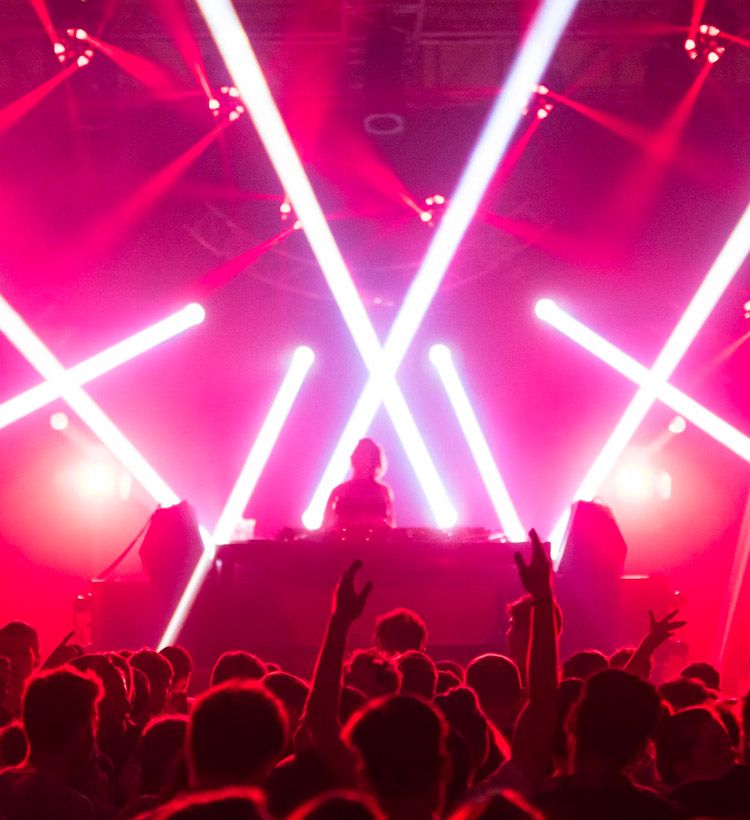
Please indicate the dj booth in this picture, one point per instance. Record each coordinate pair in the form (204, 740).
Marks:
(274, 597)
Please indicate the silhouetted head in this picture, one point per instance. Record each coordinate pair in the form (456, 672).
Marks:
(614, 719)
(368, 460)
(584, 664)
(446, 681)
(461, 710)
(161, 750)
(497, 683)
(620, 658)
(372, 673)
(682, 693)
(19, 643)
(159, 672)
(291, 691)
(182, 665)
(59, 717)
(399, 631)
(705, 673)
(692, 745)
(400, 743)
(114, 707)
(237, 665)
(418, 674)
(236, 734)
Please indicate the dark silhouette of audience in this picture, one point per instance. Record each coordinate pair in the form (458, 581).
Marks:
(379, 732)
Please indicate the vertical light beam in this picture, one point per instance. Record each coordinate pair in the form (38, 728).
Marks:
(234, 46)
(101, 363)
(711, 289)
(535, 53)
(244, 486)
(441, 357)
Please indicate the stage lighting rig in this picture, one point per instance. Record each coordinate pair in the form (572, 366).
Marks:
(226, 103)
(705, 45)
(539, 105)
(435, 205)
(74, 47)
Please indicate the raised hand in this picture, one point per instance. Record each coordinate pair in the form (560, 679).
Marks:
(536, 576)
(347, 602)
(661, 630)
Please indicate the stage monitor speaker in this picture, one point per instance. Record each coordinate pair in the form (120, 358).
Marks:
(171, 548)
(589, 578)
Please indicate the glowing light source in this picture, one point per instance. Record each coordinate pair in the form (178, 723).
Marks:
(529, 65)
(58, 421)
(243, 66)
(72, 46)
(104, 361)
(31, 347)
(441, 357)
(714, 284)
(226, 103)
(96, 480)
(677, 425)
(637, 482)
(705, 44)
(244, 486)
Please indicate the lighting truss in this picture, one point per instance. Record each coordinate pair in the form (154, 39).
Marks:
(711, 289)
(441, 357)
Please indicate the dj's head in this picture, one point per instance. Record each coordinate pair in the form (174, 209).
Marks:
(368, 460)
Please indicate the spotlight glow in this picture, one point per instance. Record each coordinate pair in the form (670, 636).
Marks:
(441, 357)
(677, 425)
(31, 347)
(96, 480)
(526, 71)
(59, 421)
(146, 339)
(244, 486)
(711, 289)
(234, 46)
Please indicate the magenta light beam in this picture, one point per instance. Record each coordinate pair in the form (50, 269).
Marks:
(715, 283)
(441, 357)
(238, 55)
(245, 484)
(682, 404)
(101, 363)
(535, 53)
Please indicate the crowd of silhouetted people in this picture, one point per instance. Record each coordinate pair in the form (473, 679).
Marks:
(383, 732)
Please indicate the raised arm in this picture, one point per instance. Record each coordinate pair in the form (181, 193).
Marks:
(658, 632)
(321, 710)
(534, 733)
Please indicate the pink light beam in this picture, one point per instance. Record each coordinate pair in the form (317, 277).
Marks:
(441, 357)
(245, 485)
(30, 400)
(678, 401)
(248, 77)
(711, 289)
(31, 347)
(526, 71)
